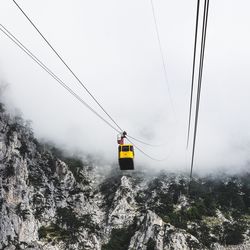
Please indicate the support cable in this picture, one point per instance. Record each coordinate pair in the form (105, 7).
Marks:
(67, 66)
(139, 149)
(194, 57)
(162, 54)
(142, 142)
(43, 66)
(203, 43)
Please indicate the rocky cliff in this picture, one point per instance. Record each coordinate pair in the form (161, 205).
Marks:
(52, 201)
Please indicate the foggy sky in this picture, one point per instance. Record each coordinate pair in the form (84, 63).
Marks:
(112, 47)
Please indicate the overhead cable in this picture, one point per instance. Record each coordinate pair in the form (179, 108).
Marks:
(42, 65)
(142, 142)
(202, 50)
(162, 54)
(67, 66)
(194, 57)
(139, 149)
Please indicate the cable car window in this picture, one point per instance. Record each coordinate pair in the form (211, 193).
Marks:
(131, 148)
(125, 148)
(120, 148)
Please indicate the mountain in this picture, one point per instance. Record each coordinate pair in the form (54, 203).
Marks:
(52, 201)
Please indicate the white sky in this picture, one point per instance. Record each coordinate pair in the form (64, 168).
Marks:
(112, 46)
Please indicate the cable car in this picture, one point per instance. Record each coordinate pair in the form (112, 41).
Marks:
(126, 156)
(125, 153)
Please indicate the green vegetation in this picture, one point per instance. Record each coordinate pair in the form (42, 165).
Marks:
(107, 189)
(67, 226)
(193, 244)
(9, 170)
(35, 177)
(23, 213)
(151, 244)
(23, 149)
(2, 108)
(1, 203)
(66, 216)
(56, 233)
(53, 233)
(120, 238)
(233, 233)
(75, 166)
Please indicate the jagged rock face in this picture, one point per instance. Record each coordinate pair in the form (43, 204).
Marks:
(15, 192)
(164, 236)
(38, 191)
(124, 207)
(50, 201)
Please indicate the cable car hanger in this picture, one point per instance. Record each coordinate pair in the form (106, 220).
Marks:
(125, 153)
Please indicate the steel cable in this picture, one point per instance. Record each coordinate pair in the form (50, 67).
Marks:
(192, 84)
(162, 54)
(139, 149)
(203, 43)
(67, 66)
(42, 65)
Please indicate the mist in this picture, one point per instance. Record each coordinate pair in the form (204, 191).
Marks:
(112, 47)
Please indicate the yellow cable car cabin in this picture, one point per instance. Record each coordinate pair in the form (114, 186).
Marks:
(126, 156)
